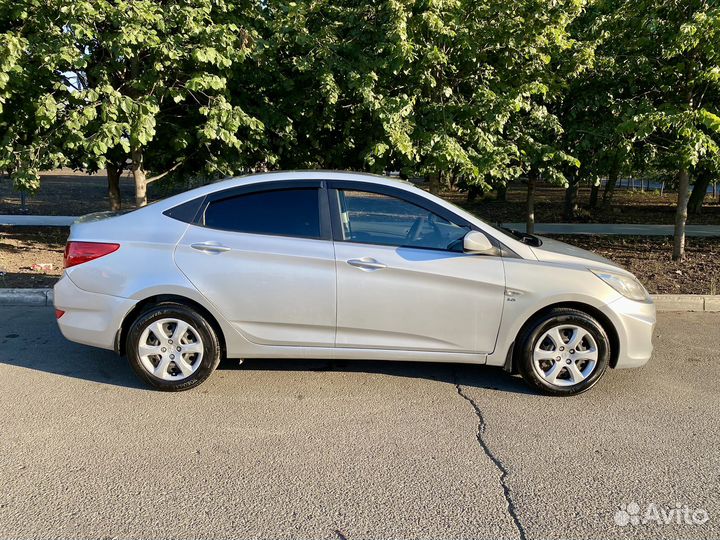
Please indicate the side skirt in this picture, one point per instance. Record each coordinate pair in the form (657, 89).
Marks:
(342, 353)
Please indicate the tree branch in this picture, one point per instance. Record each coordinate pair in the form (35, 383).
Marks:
(159, 176)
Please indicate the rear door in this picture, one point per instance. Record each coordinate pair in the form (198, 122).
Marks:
(263, 255)
(403, 280)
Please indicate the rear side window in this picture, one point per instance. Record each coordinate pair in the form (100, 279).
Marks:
(287, 212)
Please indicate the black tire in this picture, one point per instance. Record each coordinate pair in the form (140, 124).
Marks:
(211, 349)
(537, 327)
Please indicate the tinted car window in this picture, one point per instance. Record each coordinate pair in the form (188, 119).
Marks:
(288, 212)
(186, 211)
(373, 218)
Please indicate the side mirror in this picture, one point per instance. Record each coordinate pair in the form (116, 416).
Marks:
(477, 242)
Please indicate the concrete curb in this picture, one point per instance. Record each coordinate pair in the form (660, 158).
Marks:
(663, 302)
(26, 297)
(687, 302)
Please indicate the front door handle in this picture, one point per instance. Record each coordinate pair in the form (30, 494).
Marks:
(210, 247)
(366, 263)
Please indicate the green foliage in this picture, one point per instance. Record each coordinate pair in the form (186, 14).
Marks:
(486, 92)
(670, 53)
(421, 87)
(85, 82)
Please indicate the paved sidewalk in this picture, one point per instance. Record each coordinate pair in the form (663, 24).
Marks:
(625, 229)
(630, 229)
(38, 221)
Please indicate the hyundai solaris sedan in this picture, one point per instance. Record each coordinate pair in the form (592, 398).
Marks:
(336, 265)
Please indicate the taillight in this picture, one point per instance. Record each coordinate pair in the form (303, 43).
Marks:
(59, 313)
(82, 252)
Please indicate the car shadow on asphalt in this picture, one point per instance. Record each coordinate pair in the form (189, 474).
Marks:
(69, 360)
(40, 352)
(471, 375)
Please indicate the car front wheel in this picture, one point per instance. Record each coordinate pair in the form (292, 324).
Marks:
(172, 347)
(563, 352)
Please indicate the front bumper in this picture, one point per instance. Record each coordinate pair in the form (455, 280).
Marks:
(634, 323)
(90, 318)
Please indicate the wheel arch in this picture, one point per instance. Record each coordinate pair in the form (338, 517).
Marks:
(605, 322)
(144, 304)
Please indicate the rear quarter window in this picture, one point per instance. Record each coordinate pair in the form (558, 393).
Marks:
(186, 211)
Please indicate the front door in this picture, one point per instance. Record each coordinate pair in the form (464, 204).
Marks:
(267, 263)
(403, 281)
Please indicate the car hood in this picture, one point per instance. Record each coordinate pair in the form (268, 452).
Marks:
(560, 252)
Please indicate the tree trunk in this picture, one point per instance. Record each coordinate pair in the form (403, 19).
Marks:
(683, 187)
(474, 191)
(594, 191)
(434, 183)
(610, 187)
(571, 195)
(698, 193)
(681, 215)
(501, 192)
(138, 173)
(530, 219)
(444, 180)
(113, 176)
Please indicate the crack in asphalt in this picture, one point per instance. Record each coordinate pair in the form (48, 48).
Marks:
(496, 461)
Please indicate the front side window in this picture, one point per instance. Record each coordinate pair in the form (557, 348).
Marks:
(287, 212)
(372, 218)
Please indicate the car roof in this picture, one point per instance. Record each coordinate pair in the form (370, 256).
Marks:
(287, 176)
(312, 174)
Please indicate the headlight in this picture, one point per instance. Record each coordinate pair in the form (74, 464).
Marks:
(628, 286)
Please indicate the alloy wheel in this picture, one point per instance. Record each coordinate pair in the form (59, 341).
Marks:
(565, 355)
(170, 349)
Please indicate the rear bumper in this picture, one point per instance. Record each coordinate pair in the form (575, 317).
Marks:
(90, 318)
(635, 323)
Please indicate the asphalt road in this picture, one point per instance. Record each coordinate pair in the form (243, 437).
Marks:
(307, 449)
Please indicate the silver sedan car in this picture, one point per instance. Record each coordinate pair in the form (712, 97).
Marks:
(337, 265)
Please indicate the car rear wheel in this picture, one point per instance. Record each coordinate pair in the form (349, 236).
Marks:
(172, 347)
(563, 352)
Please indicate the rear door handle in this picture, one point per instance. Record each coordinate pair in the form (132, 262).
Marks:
(210, 247)
(366, 263)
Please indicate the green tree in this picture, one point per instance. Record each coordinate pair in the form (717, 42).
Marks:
(136, 82)
(545, 67)
(429, 88)
(27, 106)
(593, 108)
(670, 52)
(377, 86)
